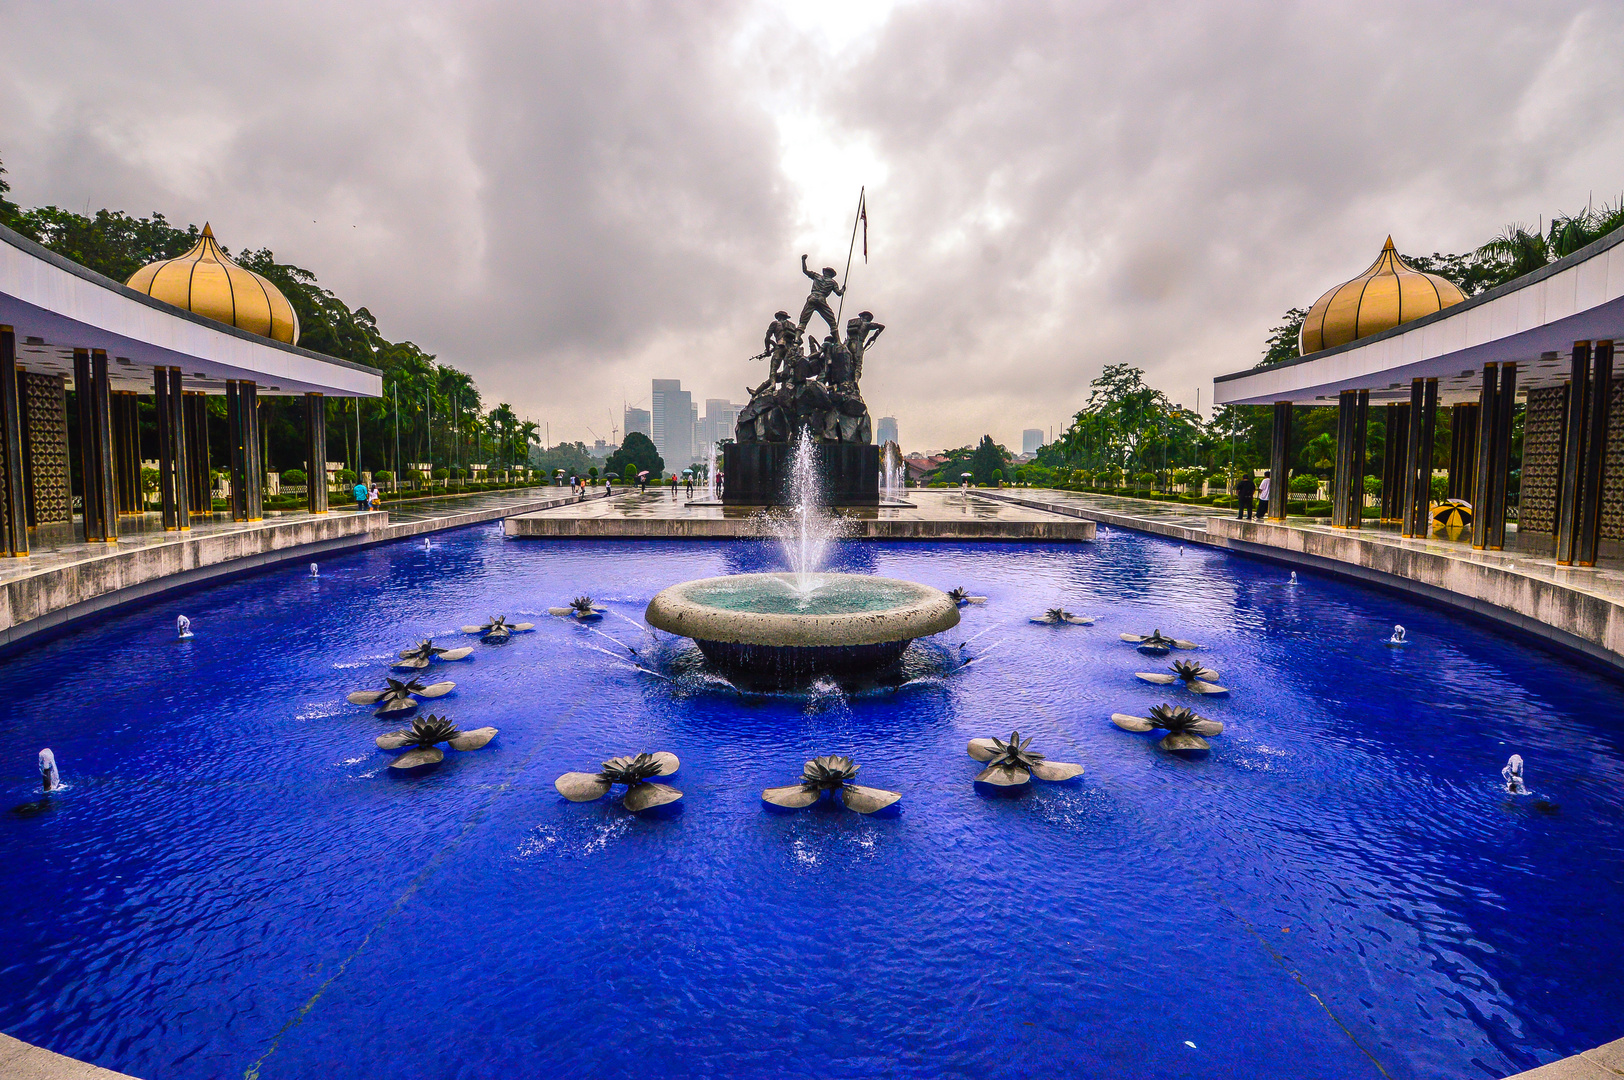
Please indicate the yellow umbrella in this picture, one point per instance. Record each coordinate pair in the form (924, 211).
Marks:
(1452, 514)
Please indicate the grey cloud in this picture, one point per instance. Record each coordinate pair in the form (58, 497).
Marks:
(568, 199)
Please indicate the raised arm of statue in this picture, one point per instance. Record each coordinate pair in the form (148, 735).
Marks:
(807, 272)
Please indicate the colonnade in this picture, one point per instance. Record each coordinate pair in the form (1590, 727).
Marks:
(34, 454)
(1479, 457)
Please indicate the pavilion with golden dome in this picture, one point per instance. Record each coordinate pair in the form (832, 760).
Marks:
(1532, 358)
(178, 331)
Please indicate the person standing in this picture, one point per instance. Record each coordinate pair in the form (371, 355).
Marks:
(1263, 494)
(1244, 491)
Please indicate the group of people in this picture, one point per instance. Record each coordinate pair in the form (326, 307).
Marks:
(812, 383)
(1244, 492)
(579, 485)
(367, 497)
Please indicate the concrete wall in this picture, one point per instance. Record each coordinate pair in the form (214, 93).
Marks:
(57, 595)
(1559, 611)
(544, 526)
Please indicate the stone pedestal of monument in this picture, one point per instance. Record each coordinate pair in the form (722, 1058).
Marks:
(757, 474)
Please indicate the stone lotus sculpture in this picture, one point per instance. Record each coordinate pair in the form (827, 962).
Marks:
(960, 597)
(634, 772)
(832, 772)
(1058, 616)
(424, 737)
(581, 607)
(497, 629)
(1156, 643)
(1012, 763)
(1192, 673)
(1184, 728)
(426, 652)
(398, 697)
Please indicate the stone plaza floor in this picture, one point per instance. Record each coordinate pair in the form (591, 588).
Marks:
(923, 515)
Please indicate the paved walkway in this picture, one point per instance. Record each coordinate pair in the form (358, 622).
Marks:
(929, 515)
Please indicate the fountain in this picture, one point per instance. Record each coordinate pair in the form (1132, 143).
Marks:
(1512, 774)
(1398, 635)
(314, 571)
(183, 627)
(785, 627)
(50, 779)
(892, 485)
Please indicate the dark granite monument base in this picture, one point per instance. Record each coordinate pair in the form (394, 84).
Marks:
(757, 474)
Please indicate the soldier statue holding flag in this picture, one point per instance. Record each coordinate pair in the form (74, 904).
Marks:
(822, 285)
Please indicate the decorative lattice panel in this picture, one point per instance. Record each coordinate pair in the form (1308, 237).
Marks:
(1543, 428)
(46, 399)
(1612, 476)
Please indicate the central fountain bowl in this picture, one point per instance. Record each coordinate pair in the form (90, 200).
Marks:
(785, 628)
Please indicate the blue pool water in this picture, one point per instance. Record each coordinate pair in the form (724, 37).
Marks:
(235, 885)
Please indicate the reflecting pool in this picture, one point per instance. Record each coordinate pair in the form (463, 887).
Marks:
(233, 883)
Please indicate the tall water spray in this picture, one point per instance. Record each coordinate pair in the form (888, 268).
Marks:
(710, 472)
(808, 532)
(893, 472)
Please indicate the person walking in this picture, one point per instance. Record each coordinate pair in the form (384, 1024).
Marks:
(1244, 491)
(360, 494)
(374, 500)
(1263, 495)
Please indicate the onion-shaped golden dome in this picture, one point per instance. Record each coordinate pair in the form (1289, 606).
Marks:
(204, 281)
(1390, 292)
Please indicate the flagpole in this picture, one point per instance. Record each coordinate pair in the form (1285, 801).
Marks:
(849, 249)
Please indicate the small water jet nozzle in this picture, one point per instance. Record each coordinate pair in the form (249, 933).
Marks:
(183, 626)
(1293, 580)
(1398, 635)
(49, 777)
(1512, 774)
(314, 572)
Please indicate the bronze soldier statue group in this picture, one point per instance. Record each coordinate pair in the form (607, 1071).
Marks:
(809, 383)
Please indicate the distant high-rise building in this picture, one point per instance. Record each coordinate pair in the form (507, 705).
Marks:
(721, 417)
(1031, 439)
(886, 431)
(672, 421)
(637, 420)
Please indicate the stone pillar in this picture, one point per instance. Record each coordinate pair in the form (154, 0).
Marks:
(316, 453)
(1505, 401)
(1355, 493)
(1601, 399)
(1395, 448)
(248, 392)
(195, 413)
(1279, 456)
(45, 410)
(1343, 477)
(1487, 411)
(177, 451)
(239, 461)
(1418, 471)
(1462, 450)
(126, 420)
(1413, 456)
(95, 446)
(103, 420)
(166, 448)
(16, 493)
(1569, 497)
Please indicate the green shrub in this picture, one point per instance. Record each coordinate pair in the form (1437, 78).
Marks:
(294, 477)
(442, 474)
(347, 478)
(383, 475)
(1304, 483)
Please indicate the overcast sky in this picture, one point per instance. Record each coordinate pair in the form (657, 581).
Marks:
(569, 199)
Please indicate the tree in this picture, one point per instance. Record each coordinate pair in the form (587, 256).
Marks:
(989, 461)
(636, 449)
